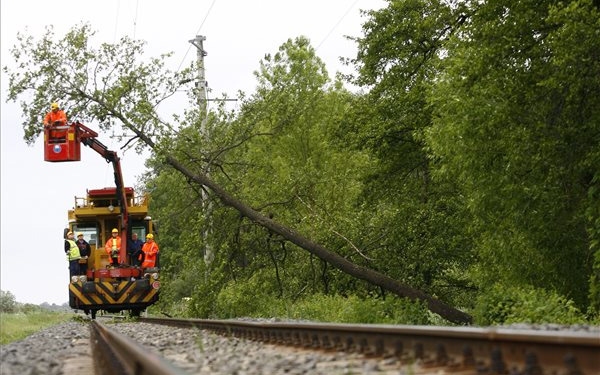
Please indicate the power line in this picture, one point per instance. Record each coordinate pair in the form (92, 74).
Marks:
(205, 17)
(137, 5)
(337, 24)
(197, 33)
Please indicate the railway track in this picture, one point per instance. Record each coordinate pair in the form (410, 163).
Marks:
(415, 349)
(115, 354)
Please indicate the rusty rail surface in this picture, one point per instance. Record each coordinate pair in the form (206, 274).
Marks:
(429, 349)
(115, 354)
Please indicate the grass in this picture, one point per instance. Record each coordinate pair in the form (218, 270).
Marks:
(17, 326)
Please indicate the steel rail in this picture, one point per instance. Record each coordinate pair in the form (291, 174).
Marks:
(116, 354)
(484, 350)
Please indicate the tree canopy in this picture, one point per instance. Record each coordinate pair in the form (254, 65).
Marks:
(502, 103)
(468, 164)
(128, 95)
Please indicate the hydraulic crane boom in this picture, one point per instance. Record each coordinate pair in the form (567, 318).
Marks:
(88, 137)
(101, 285)
(62, 143)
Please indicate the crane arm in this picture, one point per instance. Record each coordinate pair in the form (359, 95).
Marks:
(89, 138)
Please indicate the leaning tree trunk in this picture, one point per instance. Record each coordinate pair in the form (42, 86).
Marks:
(373, 277)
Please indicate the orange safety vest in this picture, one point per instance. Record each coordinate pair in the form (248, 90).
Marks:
(52, 117)
(113, 244)
(150, 250)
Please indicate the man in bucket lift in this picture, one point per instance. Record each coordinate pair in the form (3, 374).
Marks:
(56, 116)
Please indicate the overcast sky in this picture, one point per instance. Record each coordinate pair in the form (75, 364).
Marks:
(36, 195)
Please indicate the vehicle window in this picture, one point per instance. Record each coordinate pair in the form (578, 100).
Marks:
(89, 234)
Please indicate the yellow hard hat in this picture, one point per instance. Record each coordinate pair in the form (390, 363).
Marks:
(54, 106)
(69, 233)
(115, 230)
(150, 236)
(79, 234)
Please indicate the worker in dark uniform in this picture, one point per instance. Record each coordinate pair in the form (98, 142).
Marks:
(84, 252)
(134, 248)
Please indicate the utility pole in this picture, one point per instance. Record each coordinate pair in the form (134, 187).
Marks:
(201, 84)
(201, 87)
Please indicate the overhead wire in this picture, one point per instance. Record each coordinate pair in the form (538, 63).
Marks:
(137, 4)
(111, 138)
(190, 46)
(197, 32)
(337, 24)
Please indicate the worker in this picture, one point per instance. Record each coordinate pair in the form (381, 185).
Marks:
(134, 248)
(56, 116)
(72, 251)
(112, 247)
(150, 252)
(85, 251)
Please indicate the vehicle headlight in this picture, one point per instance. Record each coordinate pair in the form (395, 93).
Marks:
(74, 279)
(155, 275)
(82, 278)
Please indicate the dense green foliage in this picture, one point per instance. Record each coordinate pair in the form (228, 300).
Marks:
(505, 305)
(8, 302)
(517, 125)
(239, 299)
(468, 167)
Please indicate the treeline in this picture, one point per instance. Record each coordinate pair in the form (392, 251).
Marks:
(10, 305)
(463, 172)
(466, 166)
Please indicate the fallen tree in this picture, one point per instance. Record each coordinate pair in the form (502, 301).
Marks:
(112, 88)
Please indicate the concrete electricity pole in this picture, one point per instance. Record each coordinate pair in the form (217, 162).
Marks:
(201, 87)
(201, 84)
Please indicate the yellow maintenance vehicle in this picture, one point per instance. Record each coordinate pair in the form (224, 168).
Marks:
(105, 285)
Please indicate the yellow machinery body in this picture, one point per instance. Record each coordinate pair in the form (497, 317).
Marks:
(104, 286)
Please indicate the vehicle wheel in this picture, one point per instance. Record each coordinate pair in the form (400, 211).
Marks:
(93, 314)
(135, 313)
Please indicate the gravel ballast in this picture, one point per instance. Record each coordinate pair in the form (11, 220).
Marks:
(61, 348)
(52, 351)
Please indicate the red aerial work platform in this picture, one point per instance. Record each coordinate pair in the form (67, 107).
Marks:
(62, 143)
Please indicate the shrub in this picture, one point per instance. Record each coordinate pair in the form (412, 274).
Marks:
(249, 298)
(353, 309)
(8, 302)
(505, 305)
